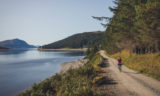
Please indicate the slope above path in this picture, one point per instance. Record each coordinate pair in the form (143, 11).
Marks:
(131, 83)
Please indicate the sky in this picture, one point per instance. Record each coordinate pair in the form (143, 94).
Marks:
(41, 22)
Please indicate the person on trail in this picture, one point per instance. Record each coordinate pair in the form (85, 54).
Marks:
(119, 63)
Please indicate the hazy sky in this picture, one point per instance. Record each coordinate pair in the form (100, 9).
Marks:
(44, 21)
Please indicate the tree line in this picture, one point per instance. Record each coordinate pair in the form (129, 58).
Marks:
(135, 26)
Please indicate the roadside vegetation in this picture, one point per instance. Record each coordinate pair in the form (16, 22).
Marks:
(75, 82)
(144, 63)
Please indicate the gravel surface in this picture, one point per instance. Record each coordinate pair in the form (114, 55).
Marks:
(129, 82)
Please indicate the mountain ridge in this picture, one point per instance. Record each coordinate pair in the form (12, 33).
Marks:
(80, 40)
(16, 43)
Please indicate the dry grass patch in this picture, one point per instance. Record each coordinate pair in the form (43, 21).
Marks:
(144, 63)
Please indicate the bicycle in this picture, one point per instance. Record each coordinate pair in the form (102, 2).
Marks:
(120, 67)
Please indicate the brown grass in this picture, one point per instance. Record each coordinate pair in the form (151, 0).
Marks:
(145, 63)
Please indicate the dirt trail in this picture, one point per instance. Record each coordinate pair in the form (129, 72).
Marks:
(129, 82)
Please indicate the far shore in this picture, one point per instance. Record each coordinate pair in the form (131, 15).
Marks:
(4, 49)
(65, 49)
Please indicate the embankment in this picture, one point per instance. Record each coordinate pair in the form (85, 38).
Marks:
(76, 78)
(72, 65)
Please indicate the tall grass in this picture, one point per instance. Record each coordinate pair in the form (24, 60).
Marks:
(145, 63)
(75, 82)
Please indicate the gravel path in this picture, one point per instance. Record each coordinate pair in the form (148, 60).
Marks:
(129, 82)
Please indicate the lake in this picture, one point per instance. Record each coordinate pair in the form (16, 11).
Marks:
(19, 69)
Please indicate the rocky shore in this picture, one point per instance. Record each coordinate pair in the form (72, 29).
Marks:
(72, 65)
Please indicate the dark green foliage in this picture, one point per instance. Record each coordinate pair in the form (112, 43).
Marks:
(80, 40)
(92, 48)
(135, 25)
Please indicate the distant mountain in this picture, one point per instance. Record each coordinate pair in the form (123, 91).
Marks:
(15, 43)
(76, 41)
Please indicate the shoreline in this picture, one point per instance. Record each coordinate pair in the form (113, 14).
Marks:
(5, 49)
(80, 78)
(40, 49)
(65, 66)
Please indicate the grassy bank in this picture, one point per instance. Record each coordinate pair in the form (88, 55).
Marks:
(75, 82)
(145, 63)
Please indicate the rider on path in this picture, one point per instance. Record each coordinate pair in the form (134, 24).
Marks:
(119, 63)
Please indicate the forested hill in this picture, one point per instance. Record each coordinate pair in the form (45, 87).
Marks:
(80, 40)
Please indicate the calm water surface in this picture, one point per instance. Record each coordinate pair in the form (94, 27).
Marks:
(19, 69)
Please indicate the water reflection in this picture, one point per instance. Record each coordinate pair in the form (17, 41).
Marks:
(19, 69)
(13, 51)
(75, 53)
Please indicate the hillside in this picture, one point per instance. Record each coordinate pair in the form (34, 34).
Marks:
(76, 41)
(15, 43)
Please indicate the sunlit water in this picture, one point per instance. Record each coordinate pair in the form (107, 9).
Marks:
(19, 69)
